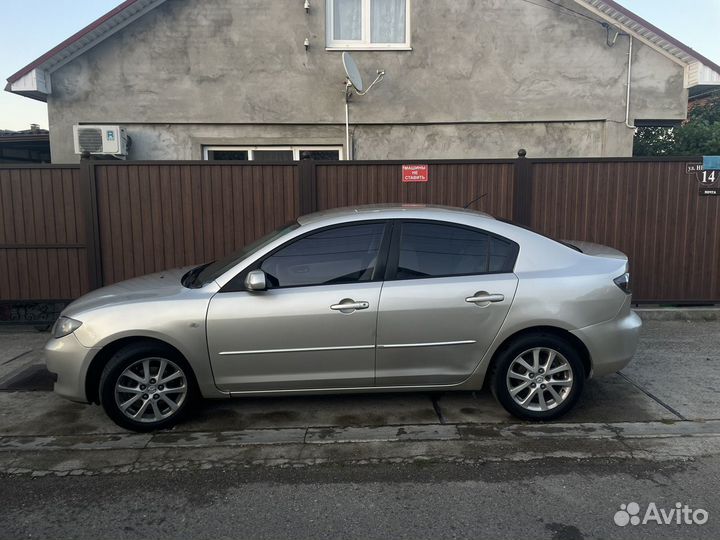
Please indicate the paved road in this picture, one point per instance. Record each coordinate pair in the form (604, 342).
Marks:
(554, 499)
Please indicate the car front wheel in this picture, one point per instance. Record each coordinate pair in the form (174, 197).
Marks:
(539, 377)
(145, 387)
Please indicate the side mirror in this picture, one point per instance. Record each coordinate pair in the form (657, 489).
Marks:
(255, 281)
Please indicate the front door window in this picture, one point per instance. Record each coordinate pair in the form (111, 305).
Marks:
(346, 254)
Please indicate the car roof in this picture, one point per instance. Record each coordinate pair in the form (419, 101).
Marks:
(391, 211)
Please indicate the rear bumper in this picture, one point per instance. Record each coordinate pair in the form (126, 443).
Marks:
(69, 360)
(612, 343)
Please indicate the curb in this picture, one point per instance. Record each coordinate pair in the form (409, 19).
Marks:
(358, 435)
(470, 444)
(699, 314)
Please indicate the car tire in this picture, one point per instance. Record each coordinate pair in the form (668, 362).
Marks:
(538, 377)
(147, 387)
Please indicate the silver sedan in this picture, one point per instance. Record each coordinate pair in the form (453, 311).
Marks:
(368, 299)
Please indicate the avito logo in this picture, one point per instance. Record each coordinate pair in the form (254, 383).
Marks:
(681, 514)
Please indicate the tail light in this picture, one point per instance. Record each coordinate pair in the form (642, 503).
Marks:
(623, 282)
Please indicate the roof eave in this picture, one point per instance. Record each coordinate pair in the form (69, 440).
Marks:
(651, 35)
(27, 138)
(74, 46)
(37, 96)
(34, 85)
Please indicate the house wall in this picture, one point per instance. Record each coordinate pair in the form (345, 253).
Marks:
(483, 79)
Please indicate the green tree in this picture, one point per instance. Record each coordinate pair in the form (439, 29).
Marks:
(698, 136)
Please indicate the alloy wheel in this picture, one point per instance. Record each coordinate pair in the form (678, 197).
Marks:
(151, 390)
(539, 379)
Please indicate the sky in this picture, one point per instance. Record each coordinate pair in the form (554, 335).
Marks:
(29, 28)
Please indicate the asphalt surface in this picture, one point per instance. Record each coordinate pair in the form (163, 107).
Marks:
(554, 499)
(416, 465)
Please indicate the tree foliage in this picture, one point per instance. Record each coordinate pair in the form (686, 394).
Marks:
(698, 136)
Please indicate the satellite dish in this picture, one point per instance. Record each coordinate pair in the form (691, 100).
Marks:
(352, 72)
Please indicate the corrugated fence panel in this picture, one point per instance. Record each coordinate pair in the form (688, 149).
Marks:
(43, 252)
(157, 216)
(652, 211)
(452, 184)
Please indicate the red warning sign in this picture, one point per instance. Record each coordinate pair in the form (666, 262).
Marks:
(415, 173)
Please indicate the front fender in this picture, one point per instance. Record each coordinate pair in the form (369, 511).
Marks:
(179, 323)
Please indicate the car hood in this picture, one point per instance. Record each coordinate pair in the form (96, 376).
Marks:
(140, 289)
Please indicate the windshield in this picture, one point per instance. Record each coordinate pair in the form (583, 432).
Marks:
(213, 270)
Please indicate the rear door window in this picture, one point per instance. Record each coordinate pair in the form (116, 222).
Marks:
(428, 249)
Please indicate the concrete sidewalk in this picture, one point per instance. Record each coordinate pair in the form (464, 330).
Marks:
(665, 402)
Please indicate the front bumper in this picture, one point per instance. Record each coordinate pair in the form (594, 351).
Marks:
(67, 358)
(612, 343)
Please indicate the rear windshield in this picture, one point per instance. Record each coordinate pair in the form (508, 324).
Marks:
(566, 244)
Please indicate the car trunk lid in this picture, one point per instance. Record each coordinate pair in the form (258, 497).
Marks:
(597, 250)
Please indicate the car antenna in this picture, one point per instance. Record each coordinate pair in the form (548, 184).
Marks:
(474, 201)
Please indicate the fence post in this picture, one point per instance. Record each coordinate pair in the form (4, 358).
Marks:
(308, 185)
(522, 190)
(92, 226)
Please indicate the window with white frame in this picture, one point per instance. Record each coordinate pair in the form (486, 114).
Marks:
(272, 153)
(368, 24)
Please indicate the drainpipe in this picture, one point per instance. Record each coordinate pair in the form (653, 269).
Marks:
(629, 82)
(348, 155)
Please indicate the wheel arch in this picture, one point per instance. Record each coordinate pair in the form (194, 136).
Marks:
(103, 356)
(567, 336)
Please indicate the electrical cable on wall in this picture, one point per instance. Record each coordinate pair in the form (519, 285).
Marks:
(563, 8)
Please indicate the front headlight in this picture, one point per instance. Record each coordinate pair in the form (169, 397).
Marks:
(65, 326)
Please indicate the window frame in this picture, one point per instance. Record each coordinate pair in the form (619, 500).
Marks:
(297, 150)
(364, 44)
(394, 254)
(237, 283)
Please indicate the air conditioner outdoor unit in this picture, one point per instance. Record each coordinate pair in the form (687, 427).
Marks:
(101, 140)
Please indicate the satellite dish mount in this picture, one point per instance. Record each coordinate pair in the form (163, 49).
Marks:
(354, 85)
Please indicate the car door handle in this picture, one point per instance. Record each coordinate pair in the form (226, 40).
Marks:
(348, 305)
(482, 297)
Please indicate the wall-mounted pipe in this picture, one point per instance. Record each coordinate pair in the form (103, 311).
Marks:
(629, 83)
(348, 150)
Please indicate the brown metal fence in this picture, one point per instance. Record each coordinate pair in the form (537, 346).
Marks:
(650, 210)
(43, 238)
(452, 184)
(158, 216)
(67, 229)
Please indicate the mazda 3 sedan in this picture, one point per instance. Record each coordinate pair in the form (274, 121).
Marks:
(378, 298)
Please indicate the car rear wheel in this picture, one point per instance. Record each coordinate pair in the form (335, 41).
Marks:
(538, 377)
(145, 387)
